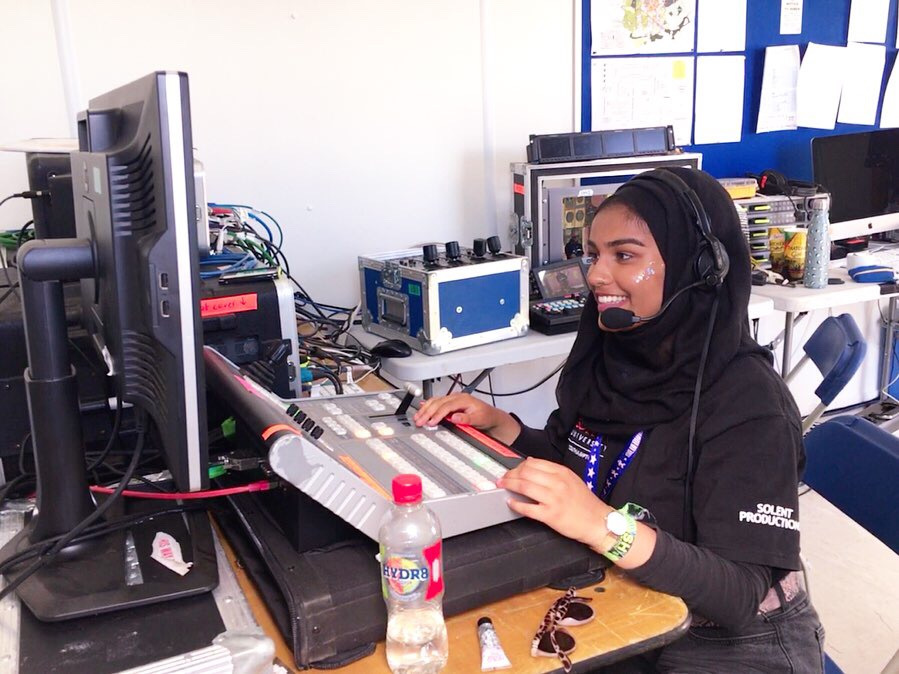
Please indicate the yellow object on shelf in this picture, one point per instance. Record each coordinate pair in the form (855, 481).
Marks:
(739, 188)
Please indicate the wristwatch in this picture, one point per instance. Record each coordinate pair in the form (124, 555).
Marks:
(621, 528)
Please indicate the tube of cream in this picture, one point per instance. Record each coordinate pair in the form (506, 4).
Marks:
(492, 654)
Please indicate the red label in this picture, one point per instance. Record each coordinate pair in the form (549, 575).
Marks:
(518, 189)
(434, 559)
(232, 304)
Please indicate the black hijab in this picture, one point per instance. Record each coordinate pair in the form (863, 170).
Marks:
(619, 382)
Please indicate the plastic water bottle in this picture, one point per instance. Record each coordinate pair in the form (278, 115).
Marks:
(412, 582)
(817, 252)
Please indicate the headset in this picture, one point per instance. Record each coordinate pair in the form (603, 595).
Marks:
(710, 266)
(774, 183)
(712, 262)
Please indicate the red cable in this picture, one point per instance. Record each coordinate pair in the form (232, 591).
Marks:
(261, 485)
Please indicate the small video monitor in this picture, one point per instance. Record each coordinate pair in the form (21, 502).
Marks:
(561, 279)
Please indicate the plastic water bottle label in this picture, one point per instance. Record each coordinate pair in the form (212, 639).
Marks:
(405, 577)
(434, 557)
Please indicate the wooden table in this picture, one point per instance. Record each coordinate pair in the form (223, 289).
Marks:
(629, 619)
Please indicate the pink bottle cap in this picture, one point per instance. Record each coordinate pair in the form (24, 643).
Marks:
(406, 488)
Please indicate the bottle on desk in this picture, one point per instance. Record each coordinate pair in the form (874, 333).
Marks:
(817, 252)
(412, 582)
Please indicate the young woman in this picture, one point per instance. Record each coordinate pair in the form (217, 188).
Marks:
(676, 449)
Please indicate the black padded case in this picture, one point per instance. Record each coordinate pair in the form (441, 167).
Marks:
(328, 604)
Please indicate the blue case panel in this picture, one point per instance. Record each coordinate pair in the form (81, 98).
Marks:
(410, 288)
(480, 299)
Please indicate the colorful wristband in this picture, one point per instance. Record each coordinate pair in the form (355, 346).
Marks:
(625, 540)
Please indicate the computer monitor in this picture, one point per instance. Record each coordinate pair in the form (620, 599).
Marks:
(861, 172)
(51, 173)
(134, 199)
(138, 261)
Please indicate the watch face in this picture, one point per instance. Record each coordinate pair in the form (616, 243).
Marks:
(616, 523)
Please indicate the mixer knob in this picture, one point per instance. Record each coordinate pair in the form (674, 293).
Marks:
(452, 250)
(480, 247)
(430, 254)
(493, 243)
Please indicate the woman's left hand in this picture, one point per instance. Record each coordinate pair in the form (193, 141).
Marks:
(564, 502)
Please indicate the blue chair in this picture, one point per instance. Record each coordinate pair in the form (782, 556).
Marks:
(837, 348)
(854, 464)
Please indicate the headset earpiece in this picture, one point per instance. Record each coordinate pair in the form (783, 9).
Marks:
(712, 262)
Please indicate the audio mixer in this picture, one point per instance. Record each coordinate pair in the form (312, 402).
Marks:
(343, 451)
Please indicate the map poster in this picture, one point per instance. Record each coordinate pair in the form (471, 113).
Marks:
(642, 26)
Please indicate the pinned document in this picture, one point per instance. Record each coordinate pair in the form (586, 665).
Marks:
(790, 17)
(722, 26)
(868, 20)
(719, 99)
(635, 92)
(861, 88)
(642, 26)
(819, 86)
(777, 107)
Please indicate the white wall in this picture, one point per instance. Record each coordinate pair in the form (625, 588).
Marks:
(360, 125)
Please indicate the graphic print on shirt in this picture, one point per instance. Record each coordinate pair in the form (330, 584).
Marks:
(770, 515)
(588, 448)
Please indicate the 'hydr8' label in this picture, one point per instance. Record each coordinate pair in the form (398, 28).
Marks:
(404, 576)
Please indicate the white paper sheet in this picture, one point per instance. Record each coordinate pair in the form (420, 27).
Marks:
(819, 86)
(889, 113)
(719, 99)
(790, 17)
(868, 20)
(861, 87)
(635, 92)
(777, 106)
(722, 26)
(642, 27)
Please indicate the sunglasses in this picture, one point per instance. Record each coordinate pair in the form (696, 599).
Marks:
(552, 639)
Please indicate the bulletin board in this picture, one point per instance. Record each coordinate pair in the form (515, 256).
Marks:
(824, 22)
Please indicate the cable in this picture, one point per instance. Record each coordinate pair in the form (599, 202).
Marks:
(46, 558)
(113, 436)
(7, 489)
(459, 381)
(9, 291)
(688, 523)
(259, 485)
(21, 237)
(327, 373)
(95, 531)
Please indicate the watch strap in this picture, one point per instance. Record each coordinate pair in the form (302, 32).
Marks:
(622, 544)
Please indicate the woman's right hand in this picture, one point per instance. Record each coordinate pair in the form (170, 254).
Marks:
(462, 408)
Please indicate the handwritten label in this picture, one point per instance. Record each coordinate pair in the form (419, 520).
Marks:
(231, 304)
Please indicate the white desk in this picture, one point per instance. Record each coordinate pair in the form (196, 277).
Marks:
(424, 368)
(794, 300)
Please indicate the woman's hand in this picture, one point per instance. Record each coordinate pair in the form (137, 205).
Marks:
(462, 408)
(563, 500)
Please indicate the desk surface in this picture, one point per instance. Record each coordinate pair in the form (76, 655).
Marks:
(800, 298)
(629, 619)
(531, 346)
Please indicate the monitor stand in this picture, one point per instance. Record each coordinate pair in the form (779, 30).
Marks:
(115, 571)
(98, 575)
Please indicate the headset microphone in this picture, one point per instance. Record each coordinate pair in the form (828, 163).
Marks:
(618, 319)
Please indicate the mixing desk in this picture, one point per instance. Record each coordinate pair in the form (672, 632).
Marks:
(344, 452)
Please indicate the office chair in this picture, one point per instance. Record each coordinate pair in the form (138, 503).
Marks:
(837, 348)
(854, 464)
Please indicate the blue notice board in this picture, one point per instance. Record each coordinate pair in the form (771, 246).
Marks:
(823, 22)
